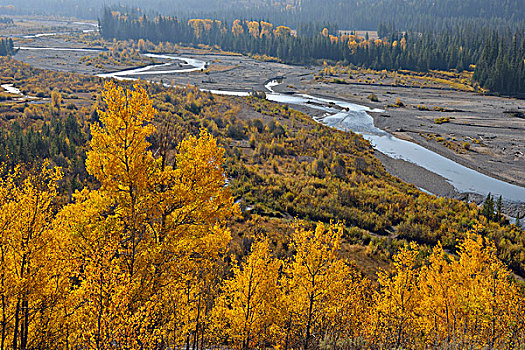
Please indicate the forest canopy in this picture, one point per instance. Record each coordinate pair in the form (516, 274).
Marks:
(348, 15)
(141, 261)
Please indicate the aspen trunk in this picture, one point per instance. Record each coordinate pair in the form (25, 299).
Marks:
(17, 322)
(308, 324)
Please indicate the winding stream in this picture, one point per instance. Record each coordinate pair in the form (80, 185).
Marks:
(347, 117)
(355, 118)
(194, 65)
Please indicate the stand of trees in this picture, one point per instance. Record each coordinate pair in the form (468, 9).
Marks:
(501, 67)
(362, 15)
(6, 47)
(141, 261)
(458, 48)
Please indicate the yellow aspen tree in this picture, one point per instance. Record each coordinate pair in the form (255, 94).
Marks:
(440, 311)
(193, 287)
(237, 28)
(122, 163)
(56, 100)
(285, 330)
(247, 306)
(469, 301)
(147, 233)
(394, 316)
(516, 324)
(486, 291)
(198, 27)
(403, 43)
(141, 45)
(208, 24)
(253, 27)
(95, 244)
(192, 206)
(315, 275)
(348, 308)
(282, 31)
(33, 273)
(266, 29)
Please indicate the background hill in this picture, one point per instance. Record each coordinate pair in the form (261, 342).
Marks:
(362, 14)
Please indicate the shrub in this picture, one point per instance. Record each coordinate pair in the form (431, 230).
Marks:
(442, 120)
(372, 97)
(399, 103)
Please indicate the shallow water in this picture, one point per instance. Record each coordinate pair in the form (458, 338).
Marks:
(195, 65)
(9, 88)
(40, 35)
(355, 118)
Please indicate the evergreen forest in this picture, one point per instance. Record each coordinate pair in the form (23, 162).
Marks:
(6, 47)
(495, 55)
(348, 15)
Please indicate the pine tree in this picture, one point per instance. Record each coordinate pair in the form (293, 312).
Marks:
(488, 208)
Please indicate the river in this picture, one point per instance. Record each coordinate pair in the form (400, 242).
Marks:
(344, 116)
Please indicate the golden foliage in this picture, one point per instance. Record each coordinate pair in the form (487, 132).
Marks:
(148, 241)
(237, 28)
(266, 29)
(140, 260)
(247, 307)
(469, 302)
(33, 270)
(282, 31)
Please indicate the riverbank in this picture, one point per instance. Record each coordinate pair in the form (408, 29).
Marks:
(484, 133)
(422, 178)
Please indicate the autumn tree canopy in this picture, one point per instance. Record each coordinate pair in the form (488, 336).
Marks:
(143, 260)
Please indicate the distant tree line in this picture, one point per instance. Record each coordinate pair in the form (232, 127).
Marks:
(6, 47)
(349, 15)
(6, 20)
(459, 47)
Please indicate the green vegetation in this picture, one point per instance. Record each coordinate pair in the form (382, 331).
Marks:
(442, 120)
